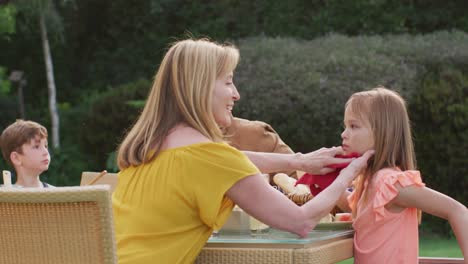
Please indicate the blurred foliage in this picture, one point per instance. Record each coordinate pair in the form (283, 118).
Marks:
(308, 82)
(300, 61)
(111, 162)
(7, 20)
(106, 120)
(8, 102)
(440, 116)
(9, 107)
(111, 42)
(5, 84)
(66, 166)
(300, 88)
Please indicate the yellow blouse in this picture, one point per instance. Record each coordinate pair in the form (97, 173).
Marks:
(165, 210)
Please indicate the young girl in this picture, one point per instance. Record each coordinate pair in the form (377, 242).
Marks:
(389, 193)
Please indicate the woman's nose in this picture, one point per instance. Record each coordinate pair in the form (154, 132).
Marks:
(235, 93)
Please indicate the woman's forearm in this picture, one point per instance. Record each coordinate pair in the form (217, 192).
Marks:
(315, 162)
(273, 162)
(324, 202)
(268, 205)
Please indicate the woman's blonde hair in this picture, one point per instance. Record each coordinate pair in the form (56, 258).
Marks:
(181, 92)
(386, 113)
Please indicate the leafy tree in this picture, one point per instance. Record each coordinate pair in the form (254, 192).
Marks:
(43, 14)
(7, 20)
(7, 27)
(5, 85)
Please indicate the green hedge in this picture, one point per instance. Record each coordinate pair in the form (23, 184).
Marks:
(300, 87)
(111, 42)
(107, 119)
(308, 82)
(440, 116)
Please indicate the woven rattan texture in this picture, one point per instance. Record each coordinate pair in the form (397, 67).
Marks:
(329, 253)
(245, 256)
(57, 225)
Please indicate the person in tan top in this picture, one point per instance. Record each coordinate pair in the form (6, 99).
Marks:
(258, 136)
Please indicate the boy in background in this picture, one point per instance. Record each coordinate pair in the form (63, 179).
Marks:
(24, 146)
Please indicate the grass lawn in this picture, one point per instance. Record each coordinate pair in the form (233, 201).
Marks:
(433, 247)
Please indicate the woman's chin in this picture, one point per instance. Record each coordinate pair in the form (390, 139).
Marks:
(226, 122)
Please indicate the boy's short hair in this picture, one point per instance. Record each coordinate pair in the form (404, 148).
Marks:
(17, 134)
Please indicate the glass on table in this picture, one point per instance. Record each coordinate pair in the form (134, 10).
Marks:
(215, 233)
(257, 228)
(6, 179)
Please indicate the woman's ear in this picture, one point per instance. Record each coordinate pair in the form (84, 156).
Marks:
(15, 158)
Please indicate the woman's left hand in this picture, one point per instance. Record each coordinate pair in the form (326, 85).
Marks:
(316, 162)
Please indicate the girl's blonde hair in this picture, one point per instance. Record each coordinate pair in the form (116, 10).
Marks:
(181, 92)
(386, 113)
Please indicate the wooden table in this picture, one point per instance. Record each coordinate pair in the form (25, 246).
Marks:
(321, 246)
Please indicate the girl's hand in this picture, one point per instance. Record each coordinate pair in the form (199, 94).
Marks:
(355, 167)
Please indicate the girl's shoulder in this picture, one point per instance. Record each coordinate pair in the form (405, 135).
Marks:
(390, 176)
(386, 185)
(386, 172)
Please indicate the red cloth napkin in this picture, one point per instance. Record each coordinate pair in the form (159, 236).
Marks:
(318, 183)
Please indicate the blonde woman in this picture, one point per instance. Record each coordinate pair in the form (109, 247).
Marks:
(389, 194)
(179, 181)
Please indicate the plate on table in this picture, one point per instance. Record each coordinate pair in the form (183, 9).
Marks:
(335, 226)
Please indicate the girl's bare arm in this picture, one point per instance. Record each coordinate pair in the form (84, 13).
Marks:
(343, 202)
(440, 205)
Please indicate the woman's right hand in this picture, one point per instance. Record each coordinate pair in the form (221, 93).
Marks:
(355, 167)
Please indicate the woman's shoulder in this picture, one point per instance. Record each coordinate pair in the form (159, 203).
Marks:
(181, 136)
(199, 146)
(205, 150)
(187, 138)
(208, 157)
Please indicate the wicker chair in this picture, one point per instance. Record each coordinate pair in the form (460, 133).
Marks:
(92, 178)
(56, 225)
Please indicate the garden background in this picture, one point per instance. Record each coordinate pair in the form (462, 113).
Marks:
(300, 61)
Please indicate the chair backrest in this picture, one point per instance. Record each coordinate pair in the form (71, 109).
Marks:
(107, 179)
(57, 225)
